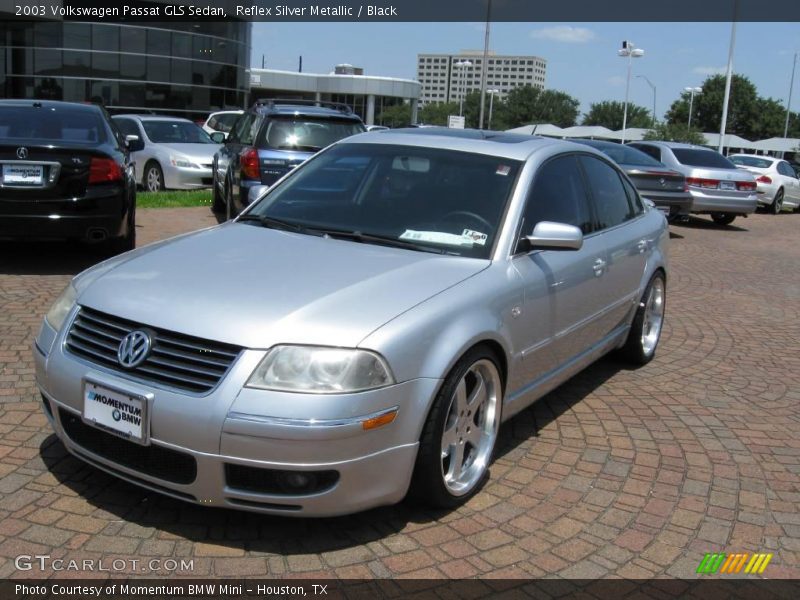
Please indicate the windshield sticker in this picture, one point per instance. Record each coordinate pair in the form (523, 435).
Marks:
(503, 170)
(437, 237)
(476, 237)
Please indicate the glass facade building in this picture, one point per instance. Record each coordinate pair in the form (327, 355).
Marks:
(183, 68)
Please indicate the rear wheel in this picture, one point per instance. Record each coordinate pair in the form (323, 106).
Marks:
(777, 202)
(459, 437)
(723, 218)
(153, 177)
(230, 211)
(218, 202)
(645, 333)
(127, 241)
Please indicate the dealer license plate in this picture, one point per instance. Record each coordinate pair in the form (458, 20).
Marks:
(23, 174)
(117, 412)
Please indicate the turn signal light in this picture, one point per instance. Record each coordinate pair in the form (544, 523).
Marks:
(379, 421)
(104, 170)
(746, 186)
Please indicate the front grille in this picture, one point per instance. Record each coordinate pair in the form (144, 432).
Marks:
(156, 461)
(176, 360)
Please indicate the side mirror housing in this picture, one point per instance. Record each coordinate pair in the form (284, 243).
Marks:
(218, 137)
(133, 143)
(548, 235)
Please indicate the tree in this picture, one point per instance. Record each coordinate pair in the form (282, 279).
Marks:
(609, 113)
(398, 115)
(437, 114)
(677, 132)
(526, 104)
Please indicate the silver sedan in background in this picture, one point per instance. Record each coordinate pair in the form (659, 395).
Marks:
(360, 332)
(170, 152)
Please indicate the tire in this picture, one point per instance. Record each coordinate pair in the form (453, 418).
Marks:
(218, 203)
(645, 333)
(153, 180)
(124, 243)
(446, 478)
(723, 218)
(777, 203)
(230, 210)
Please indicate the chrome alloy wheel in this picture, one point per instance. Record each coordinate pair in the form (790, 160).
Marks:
(653, 317)
(470, 428)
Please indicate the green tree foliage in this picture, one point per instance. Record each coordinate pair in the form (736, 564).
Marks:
(677, 132)
(437, 114)
(398, 115)
(609, 113)
(749, 115)
(526, 104)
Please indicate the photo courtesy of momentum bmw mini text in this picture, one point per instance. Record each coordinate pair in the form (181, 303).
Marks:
(455, 299)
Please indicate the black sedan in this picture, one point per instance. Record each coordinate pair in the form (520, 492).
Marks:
(65, 173)
(666, 188)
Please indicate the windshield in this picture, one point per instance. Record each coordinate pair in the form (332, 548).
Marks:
(52, 124)
(305, 133)
(625, 155)
(175, 132)
(751, 161)
(702, 158)
(442, 199)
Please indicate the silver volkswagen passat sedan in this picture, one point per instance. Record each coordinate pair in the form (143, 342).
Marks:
(360, 332)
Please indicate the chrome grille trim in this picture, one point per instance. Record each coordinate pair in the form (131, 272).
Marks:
(177, 361)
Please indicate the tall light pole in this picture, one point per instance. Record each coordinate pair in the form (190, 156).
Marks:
(728, 78)
(789, 101)
(650, 83)
(462, 65)
(692, 91)
(484, 67)
(491, 103)
(630, 52)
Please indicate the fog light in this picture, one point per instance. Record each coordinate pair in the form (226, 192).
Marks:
(298, 482)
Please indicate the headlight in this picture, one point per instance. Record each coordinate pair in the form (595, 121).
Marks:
(61, 307)
(319, 370)
(182, 162)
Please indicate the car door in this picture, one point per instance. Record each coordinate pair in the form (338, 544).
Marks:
(791, 185)
(625, 236)
(560, 300)
(226, 157)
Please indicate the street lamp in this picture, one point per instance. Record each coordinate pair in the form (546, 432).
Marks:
(630, 52)
(789, 101)
(462, 64)
(650, 83)
(692, 91)
(491, 102)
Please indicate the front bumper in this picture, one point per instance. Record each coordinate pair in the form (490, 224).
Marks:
(234, 425)
(716, 201)
(184, 178)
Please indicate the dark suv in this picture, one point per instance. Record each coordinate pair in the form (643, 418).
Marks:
(271, 139)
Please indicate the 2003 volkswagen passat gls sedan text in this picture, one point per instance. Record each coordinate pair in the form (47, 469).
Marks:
(361, 331)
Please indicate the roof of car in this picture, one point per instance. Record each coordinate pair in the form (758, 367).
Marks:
(495, 143)
(152, 117)
(306, 110)
(675, 145)
(49, 104)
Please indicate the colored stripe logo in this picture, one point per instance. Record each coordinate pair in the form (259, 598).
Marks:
(731, 564)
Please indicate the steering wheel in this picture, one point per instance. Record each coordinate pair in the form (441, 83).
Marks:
(486, 227)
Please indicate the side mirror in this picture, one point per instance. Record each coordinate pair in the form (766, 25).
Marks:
(133, 143)
(218, 137)
(548, 235)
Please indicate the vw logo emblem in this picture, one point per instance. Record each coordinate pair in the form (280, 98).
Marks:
(22, 152)
(134, 348)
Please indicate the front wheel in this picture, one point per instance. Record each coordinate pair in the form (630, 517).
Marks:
(459, 436)
(722, 218)
(153, 178)
(645, 333)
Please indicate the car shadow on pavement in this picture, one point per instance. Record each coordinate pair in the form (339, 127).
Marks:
(706, 223)
(47, 258)
(117, 500)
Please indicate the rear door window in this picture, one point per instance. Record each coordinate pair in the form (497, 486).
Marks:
(611, 202)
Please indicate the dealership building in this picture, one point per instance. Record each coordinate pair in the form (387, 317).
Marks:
(182, 68)
(368, 95)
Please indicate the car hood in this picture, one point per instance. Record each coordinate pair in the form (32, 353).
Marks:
(200, 153)
(256, 287)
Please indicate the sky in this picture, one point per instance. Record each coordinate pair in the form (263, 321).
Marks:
(581, 57)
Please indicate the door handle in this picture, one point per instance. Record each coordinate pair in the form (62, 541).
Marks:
(641, 246)
(598, 267)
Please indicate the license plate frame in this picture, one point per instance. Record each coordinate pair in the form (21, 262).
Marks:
(101, 414)
(727, 185)
(23, 174)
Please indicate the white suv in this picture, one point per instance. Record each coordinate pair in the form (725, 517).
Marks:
(221, 121)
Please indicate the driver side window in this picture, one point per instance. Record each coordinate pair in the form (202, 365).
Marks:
(558, 194)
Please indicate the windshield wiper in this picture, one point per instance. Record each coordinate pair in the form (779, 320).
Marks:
(369, 238)
(274, 223)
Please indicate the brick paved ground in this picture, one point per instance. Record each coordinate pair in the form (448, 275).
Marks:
(617, 473)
